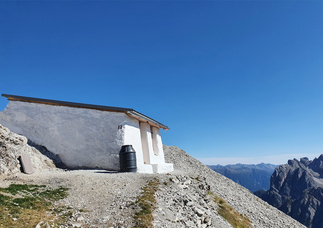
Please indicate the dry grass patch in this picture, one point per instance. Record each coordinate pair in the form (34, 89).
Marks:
(28, 205)
(146, 201)
(228, 213)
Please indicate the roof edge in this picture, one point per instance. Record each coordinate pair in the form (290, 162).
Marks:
(143, 118)
(129, 111)
(64, 103)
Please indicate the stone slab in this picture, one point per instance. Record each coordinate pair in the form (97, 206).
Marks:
(26, 164)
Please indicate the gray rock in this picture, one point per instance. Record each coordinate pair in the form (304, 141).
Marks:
(199, 212)
(297, 189)
(12, 146)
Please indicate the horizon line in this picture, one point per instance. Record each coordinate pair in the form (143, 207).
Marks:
(256, 160)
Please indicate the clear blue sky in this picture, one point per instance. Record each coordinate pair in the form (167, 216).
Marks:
(236, 81)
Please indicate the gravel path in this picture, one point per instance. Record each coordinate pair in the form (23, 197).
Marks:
(105, 198)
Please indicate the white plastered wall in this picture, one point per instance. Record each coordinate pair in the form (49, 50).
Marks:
(153, 148)
(132, 137)
(81, 137)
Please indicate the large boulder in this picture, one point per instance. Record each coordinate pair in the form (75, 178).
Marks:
(12, 146)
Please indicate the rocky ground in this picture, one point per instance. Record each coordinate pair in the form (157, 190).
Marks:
(100, 198)
(260, 213)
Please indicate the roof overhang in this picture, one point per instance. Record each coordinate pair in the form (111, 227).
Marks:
(131, 112)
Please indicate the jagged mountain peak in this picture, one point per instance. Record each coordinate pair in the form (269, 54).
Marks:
(296, 188)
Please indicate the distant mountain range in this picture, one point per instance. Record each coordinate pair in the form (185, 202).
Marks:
(252, 177)
(296, 188)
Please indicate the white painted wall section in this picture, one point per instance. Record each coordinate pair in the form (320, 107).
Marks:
(144, 142)
(151, 139)
(132, 137)
(157, 141)
(147, 139)
(81, 137)
(161, 166)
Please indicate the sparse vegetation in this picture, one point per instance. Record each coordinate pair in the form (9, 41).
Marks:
(83, 210)
(146, 201)
(196, 178)
(27, 205)
(228, 213)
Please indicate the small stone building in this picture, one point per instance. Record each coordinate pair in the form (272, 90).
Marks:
(87, 136)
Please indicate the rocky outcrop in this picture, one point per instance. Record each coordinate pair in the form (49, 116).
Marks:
(12, 146)
(296, 188)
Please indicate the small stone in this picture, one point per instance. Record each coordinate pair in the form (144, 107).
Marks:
(106, 218)
(80, 219)
(199, 212)
(39, 224)
(189, 204)
(76, 224)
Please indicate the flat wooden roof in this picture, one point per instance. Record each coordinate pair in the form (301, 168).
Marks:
(141, 117)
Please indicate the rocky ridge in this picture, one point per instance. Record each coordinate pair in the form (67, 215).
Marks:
(101, 198)
(296, 188)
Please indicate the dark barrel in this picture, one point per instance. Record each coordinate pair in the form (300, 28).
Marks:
(127, 157)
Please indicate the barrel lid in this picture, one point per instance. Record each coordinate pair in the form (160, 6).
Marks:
(127, 148)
